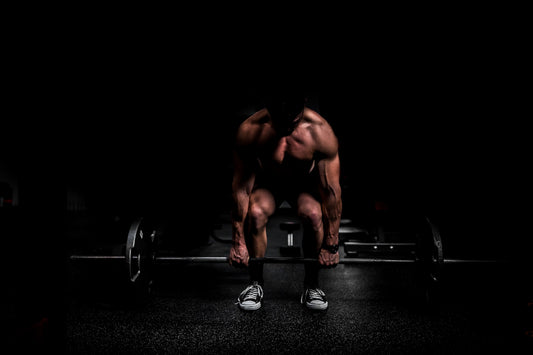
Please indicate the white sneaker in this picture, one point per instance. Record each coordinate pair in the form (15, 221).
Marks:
(315, 299)
(250, 298)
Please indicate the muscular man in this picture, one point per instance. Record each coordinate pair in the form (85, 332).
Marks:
(286, 151)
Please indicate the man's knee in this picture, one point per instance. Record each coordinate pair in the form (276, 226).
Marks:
(258, 216)
(312, 216)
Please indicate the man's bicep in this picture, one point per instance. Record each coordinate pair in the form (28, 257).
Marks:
(243, 174)
(329, 171)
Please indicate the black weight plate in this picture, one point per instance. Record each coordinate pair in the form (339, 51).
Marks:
(140, 254)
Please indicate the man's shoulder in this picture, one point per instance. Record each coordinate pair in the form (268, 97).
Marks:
(251, 129)
(325, 138)
(315, 118)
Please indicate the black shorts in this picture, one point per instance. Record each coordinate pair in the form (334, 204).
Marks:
(288, 189)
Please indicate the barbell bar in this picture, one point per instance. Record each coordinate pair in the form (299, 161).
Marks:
(276, 260)
(140, 254)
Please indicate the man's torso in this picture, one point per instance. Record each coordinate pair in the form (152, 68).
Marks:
(286, 164)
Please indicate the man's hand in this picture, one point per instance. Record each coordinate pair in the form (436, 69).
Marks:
(238, 255)
(328, 259)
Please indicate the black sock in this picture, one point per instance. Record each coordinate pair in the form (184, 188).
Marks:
(256, 273)
(311, 275)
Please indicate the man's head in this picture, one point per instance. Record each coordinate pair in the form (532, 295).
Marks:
(284, 106)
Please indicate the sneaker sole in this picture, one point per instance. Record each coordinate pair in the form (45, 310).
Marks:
(316, 307)
(252, 307)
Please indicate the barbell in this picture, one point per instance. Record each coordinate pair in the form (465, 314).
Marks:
(141, 257)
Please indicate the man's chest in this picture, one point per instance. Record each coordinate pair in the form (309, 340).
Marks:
(287, 157)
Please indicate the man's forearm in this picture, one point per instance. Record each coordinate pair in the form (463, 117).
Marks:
(239, 211)
(330, 191)
(331, 217)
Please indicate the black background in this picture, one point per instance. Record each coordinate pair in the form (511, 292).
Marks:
(141, 118)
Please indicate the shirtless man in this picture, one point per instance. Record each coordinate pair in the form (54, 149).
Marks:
(286, 151)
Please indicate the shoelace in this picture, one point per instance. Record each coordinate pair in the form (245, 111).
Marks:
(250, 293)
(315, 294)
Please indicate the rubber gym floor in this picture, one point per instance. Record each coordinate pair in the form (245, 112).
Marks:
(374, 309)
